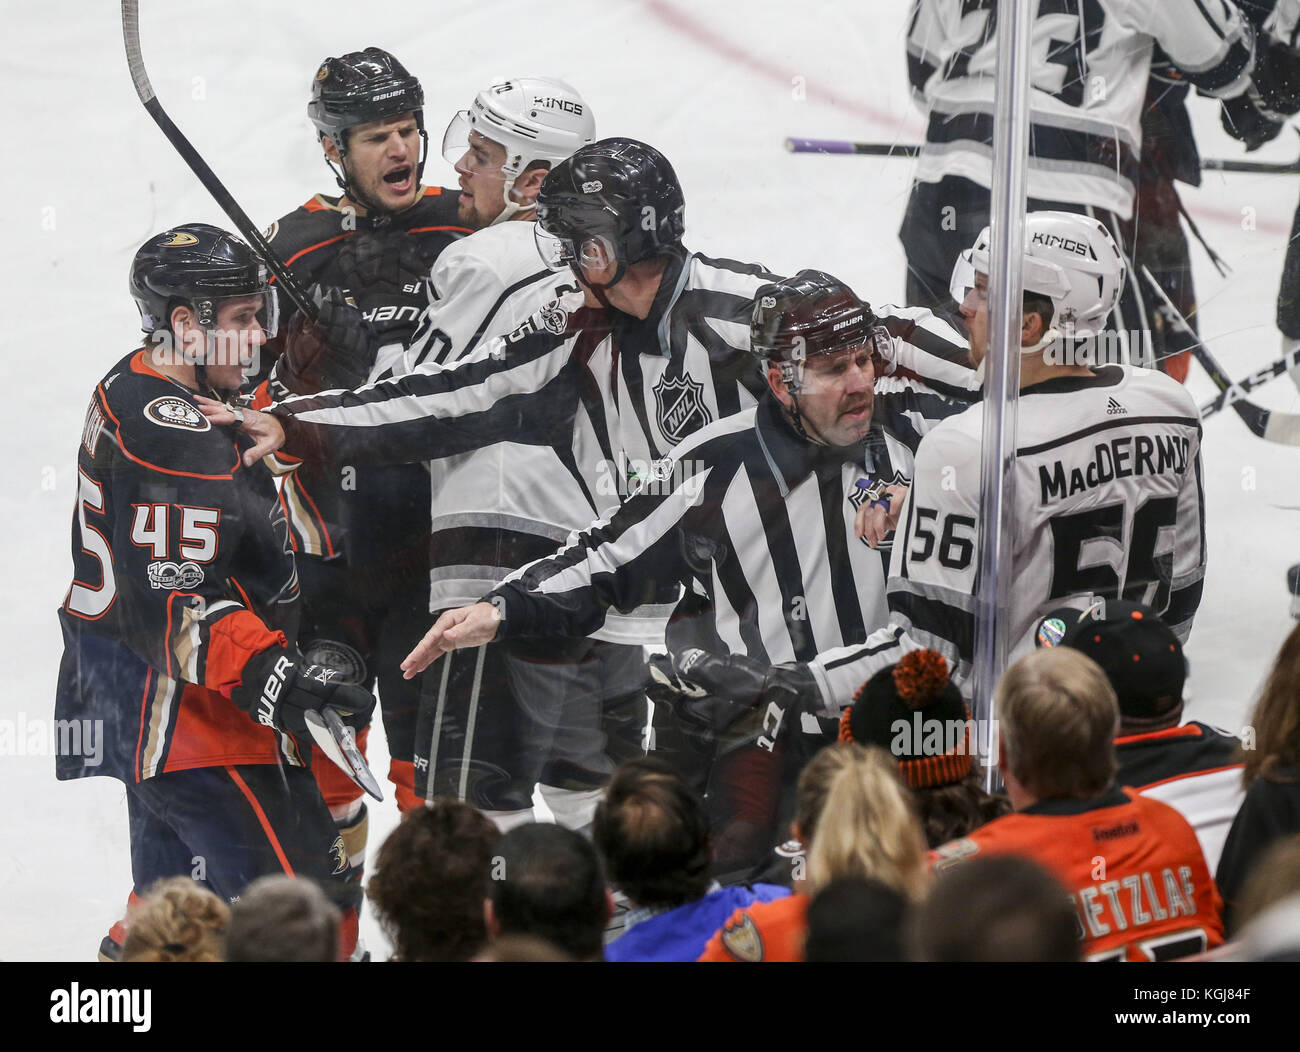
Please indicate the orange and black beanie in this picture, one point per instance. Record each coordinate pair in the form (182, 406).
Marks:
(913, 710)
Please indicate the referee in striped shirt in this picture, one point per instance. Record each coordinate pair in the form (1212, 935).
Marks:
(757, 516)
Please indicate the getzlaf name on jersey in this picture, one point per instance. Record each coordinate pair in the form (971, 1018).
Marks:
(1109, 502)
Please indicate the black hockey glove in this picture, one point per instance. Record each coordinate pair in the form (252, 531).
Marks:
(381, 263)
(1277, 76)
(712, 691)
(335, 353)
(279, 689)
(1242, 118)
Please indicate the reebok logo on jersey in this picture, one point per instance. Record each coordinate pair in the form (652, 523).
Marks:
(1113, 408)
(271, 691)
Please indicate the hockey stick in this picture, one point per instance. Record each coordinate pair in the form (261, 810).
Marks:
(1283, 428)
(135, 61)
(885, 149)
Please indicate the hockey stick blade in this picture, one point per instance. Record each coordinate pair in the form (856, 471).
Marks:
(339, 742)
(1283, 428)
(795, 144)
(191, 156)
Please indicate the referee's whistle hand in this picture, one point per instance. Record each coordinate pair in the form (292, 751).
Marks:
(467, 626)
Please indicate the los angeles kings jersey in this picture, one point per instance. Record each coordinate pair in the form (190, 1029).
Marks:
(1109, 502)
(181, 572)
(1089, 68)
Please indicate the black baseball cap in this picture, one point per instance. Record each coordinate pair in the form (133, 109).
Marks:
(1139, 653)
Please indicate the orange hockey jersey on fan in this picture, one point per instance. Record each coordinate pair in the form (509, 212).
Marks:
(765, 931)
(1133, 866)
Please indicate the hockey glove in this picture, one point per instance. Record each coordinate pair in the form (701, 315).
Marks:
(335, 353)
(1277, 76)
(1242, 119)
(712, 691)
(279, 689)
(385, 264)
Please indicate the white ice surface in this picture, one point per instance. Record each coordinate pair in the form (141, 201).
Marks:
(87, 177)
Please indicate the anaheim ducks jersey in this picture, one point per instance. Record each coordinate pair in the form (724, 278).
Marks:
(1088, 78)
(181, 572)
(1132, 865)
(1109, 502)
(1195, 769)
(765, 931)
(308, 239)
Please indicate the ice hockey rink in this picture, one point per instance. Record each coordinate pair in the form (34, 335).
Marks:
(717, 87)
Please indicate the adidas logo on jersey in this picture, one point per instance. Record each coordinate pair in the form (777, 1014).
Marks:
(1113, 408)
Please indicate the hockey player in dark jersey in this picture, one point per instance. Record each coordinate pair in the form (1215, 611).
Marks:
(178, 625)
(361, 534)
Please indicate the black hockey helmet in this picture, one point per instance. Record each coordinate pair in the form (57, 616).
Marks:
(809, 314)
(360, 87)
(196, 265)
(617, 193)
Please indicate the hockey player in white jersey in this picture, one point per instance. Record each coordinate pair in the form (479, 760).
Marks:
(1091, 60)
(502, 147)
(1109, 492)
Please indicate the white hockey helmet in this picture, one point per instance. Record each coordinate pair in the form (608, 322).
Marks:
(1069, 258)
(532, 118)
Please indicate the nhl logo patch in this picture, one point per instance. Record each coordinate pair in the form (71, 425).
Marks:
(554, 319)
(681, 408)
(170, 576)
(170, 411)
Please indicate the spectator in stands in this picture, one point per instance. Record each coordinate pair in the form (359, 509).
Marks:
(1271, 776)
(852, 920)
(548, 882)
(283, 920)
(855, 820)
(1275, 878)
(1191, 766)
(996, 909)
(914, 711)
(521, 949)
(433, 874)
(653, 833)
(1132, 863)
(178, 920)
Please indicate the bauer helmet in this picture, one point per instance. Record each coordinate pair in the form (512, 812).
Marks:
(1069, 258)
(812, 313)
(534, 119)
(198, 266)
(617, 200)
(360, 87)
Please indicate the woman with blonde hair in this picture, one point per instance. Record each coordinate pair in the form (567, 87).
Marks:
(178, 920)
(853, 818)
